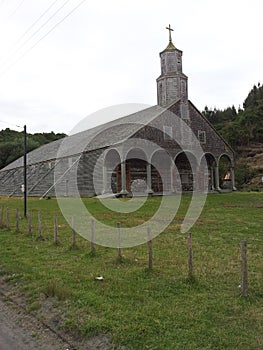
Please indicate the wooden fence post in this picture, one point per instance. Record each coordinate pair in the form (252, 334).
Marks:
(39, 225)
(7, 218)
(150, 247)
(119, 239)
(17, 220)
(190, 256)
(55, 229)
(30, 223)
(73, 225)
(92, 245)
(1, 216)
(244, 274)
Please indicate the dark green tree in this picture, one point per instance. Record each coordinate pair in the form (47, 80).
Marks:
(12, 144)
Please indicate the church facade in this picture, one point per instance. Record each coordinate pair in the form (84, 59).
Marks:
(165, 149)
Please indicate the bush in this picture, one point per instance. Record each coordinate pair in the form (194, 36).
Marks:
(243, 174)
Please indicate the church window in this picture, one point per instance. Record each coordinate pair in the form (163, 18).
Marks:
(161, 94)
(201, 136)
(183, 87)
(167, 132)
(163, 65)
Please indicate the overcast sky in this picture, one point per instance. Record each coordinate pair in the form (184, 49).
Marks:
(106, 52)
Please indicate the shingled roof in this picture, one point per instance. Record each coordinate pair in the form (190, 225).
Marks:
(100, 136)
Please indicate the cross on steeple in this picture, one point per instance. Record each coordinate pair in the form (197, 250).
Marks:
(170, 34)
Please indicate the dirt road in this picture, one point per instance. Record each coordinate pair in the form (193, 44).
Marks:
(19, 331)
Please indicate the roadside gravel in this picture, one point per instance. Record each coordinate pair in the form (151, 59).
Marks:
(19, 331)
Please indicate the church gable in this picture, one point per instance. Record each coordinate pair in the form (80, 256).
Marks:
(209, 138)
(168, 130)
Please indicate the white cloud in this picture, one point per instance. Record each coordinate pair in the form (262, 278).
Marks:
(107, 53)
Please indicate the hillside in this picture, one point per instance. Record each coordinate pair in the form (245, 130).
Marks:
(252, 156)
(243, 130)
(12, 143)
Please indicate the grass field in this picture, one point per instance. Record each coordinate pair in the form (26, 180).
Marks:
(141, 308)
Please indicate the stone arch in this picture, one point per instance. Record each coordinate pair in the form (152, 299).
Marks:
(112, 171)
(186, 165)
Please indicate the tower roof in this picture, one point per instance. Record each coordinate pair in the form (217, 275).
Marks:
(170, 46)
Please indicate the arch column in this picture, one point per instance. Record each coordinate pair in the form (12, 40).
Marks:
(197, 179)
(232, 171)
(105, 179)
(200, 179)
(172, 178)
(212, 178)
(217, 178)
(149, 179)
(123, 179)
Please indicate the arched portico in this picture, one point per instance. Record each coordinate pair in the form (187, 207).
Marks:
(226, 173)
(208, 162)
(136, 171)
(161, 168)
(127, 173)
(186, 165)
(112, 172)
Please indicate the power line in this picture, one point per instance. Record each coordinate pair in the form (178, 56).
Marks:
(16, 9)
(8, 123)
(37, 20)
(43, 37)
(32, 35)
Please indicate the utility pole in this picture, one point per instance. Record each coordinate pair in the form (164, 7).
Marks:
(25, 172)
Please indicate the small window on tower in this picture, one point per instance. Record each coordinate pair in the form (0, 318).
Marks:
(167, 132)
(183, 86)
(160, 96)
(202, 136)
(163, 65)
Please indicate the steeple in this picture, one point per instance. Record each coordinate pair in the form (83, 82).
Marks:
(170, 45)
(172, 83)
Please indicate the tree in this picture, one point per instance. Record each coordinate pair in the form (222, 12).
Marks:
(240, 127)
(12, 143)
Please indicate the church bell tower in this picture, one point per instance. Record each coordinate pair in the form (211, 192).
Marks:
(172, 83)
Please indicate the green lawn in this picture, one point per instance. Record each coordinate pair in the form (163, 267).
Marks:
(142, 309)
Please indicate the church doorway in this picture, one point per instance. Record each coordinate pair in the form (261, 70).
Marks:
(226, 172)
(161, 172)
(185, 163)
(136, 171)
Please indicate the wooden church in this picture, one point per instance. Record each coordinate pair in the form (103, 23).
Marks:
(165, 149)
